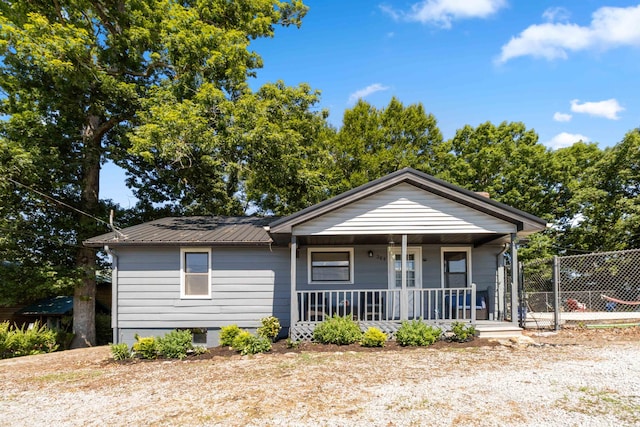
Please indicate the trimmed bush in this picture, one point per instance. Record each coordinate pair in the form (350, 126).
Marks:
(373, 337)
(23, 341)
(461, 332)
(120, 351)
(228, 334)
(417, 333)
(337, 330)
(175, 344)
(246, 343)
(270, 328)
(145, 347)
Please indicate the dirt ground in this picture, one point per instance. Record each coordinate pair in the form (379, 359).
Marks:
(101, 355)
(576, 376)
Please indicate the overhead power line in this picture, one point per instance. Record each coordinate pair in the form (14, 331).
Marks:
(53, 199)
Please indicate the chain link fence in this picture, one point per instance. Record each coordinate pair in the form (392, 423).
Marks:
(596, 288)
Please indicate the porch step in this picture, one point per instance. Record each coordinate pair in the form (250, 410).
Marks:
(505, 330)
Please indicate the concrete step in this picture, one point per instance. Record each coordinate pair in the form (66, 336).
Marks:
(498, 331)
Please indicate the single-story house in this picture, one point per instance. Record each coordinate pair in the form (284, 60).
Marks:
(404, 246)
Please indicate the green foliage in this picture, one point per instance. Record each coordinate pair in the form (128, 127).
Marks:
(24, 341)
(417, 333)
(120, 351)
(293, 344)
(246, 343)
(228, 334)
(270, 328)
(199, 349)
(337, 330)
(145, 347)
(462, 332)
(373, 337)
(175, 344)
(373, 142)
(160, 88)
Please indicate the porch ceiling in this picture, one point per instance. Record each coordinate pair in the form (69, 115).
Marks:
(412, 239)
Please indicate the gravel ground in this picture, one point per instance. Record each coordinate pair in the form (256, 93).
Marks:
(569, 379)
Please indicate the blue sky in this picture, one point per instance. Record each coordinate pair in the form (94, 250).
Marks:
(568, 69)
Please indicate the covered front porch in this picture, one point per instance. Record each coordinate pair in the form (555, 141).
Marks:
(386, 309)
(405, 246)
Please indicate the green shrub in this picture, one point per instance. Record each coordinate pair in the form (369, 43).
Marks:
(293, 344)
(373, 337)
(462, 332)
(417, 333)
(120, 351)
(270, 328)
(199, 349)
(228, 334)
(337, 330)
(145, 347)
(24, 341)
(4, 333)
(246, 343)
(175, 344)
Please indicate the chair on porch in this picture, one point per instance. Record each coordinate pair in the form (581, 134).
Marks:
(315, 307)
(371, 306)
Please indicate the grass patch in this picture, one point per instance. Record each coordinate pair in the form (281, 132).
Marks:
(603, 402)
(69, 376)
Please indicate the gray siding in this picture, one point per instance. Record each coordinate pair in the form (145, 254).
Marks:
(404, 209)
(372, 273)
(247, 285)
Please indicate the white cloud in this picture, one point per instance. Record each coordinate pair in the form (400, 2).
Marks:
(443, 12)
(565, 139)
(363, 93)
(610, 27)
(608, 109)
(554, 14)
(562, 117)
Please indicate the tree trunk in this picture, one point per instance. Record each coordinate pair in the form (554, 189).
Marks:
(84, 300)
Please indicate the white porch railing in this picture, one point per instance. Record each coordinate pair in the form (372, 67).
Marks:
(388, 305)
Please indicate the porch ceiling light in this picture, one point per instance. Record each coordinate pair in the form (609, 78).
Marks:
(370, 253)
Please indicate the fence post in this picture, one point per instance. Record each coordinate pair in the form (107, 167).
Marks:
(556, 292)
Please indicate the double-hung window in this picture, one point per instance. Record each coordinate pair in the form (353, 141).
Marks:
(195, 273)
(330, 265)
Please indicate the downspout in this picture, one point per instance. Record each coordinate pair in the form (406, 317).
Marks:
(498, 300)
(114, 293)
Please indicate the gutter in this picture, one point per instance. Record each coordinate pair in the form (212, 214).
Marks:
(114, 293)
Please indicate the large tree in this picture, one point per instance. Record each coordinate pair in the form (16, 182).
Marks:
(79, 77)
(373, 142)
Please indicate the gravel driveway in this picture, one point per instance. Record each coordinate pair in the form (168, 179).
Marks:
(560, 383)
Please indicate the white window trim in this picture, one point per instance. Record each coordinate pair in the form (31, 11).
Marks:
(466, 249)
(183, 251)
(417, 250)
(333, 249)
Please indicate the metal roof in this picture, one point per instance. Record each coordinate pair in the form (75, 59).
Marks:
(49, 306)
(195, 230)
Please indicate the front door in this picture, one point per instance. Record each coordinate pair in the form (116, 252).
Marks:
(413, 280)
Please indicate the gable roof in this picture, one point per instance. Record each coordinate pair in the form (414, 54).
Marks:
(193, 231)
(524, 221)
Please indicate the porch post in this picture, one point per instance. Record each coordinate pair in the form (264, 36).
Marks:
(404, 298)
(293, 317)
(515, 277)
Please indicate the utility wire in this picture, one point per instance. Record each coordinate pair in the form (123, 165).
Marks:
(61, 203)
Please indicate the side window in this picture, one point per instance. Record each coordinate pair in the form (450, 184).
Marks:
(330, 265)
(195, 273)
